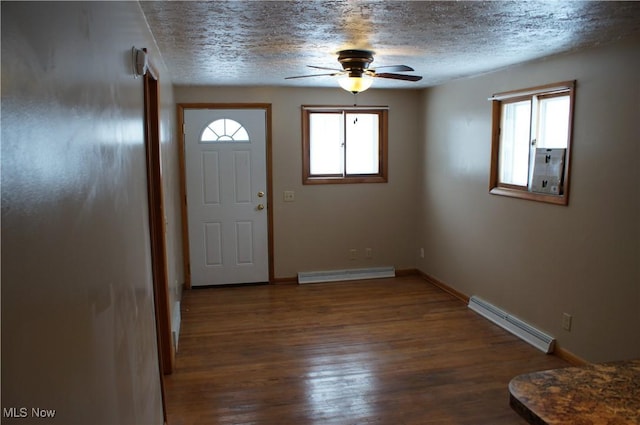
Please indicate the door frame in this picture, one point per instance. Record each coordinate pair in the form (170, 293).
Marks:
(181, 107)
(157, 231)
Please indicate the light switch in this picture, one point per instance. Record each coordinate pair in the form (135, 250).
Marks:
(289, 196)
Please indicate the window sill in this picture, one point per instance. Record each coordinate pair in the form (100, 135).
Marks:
(523, 194)
(344, 180)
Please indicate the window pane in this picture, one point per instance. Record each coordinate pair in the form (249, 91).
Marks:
(224, 130)
(362, 143)
(553, 122)
(325, 144)
(514, 143)
(208, 135)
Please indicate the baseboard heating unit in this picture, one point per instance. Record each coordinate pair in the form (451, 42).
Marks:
(512, 324)
(340, 275)
(175, 324)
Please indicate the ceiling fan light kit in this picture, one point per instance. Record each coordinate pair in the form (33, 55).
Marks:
(356, 76)
(355, 84)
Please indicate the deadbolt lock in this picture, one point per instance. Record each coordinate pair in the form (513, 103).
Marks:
(260, 194)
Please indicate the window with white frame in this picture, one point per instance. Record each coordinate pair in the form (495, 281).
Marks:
(531, 142)
(344, 144)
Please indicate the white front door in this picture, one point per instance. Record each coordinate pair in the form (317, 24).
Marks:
(226, 183)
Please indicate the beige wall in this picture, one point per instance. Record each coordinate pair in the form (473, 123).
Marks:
(78, 332)
(535, 260)
(317, 230)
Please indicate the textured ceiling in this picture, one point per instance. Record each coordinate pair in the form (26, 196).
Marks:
(262, 42)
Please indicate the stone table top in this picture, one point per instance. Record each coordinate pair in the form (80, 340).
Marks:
(597, 394)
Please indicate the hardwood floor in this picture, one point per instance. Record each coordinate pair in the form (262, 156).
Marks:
(387, 351)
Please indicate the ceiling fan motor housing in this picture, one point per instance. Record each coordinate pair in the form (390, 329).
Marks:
(355, 61)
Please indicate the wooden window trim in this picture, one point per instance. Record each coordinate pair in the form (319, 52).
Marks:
(521, 192)
(383, 131)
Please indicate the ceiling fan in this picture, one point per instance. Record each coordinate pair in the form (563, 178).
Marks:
(356, 76)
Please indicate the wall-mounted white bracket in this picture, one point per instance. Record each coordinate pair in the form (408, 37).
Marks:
(139, 62)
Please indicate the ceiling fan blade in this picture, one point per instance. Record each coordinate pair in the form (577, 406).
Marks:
(312, 75)
(396, 68)
(325, 68)
(398, 76)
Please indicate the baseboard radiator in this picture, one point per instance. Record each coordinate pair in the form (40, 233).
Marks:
(175, 325)
(512, 324)
(350, 274)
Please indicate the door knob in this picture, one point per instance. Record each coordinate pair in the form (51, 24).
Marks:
(260, 194)
(260, 207)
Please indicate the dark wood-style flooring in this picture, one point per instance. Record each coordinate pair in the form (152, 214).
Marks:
(387, 351)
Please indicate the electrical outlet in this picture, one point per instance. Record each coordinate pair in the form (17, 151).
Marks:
(566, 322)
(421, 252)
(353, 253)
(368, 253)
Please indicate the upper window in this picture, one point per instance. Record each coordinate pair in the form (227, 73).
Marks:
(344, 144)
(224, 130)
(531, 141)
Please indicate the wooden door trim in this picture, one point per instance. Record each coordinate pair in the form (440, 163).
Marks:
(181, 107)
(166, 353)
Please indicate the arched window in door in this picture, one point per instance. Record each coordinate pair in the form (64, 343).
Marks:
(224, 130)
